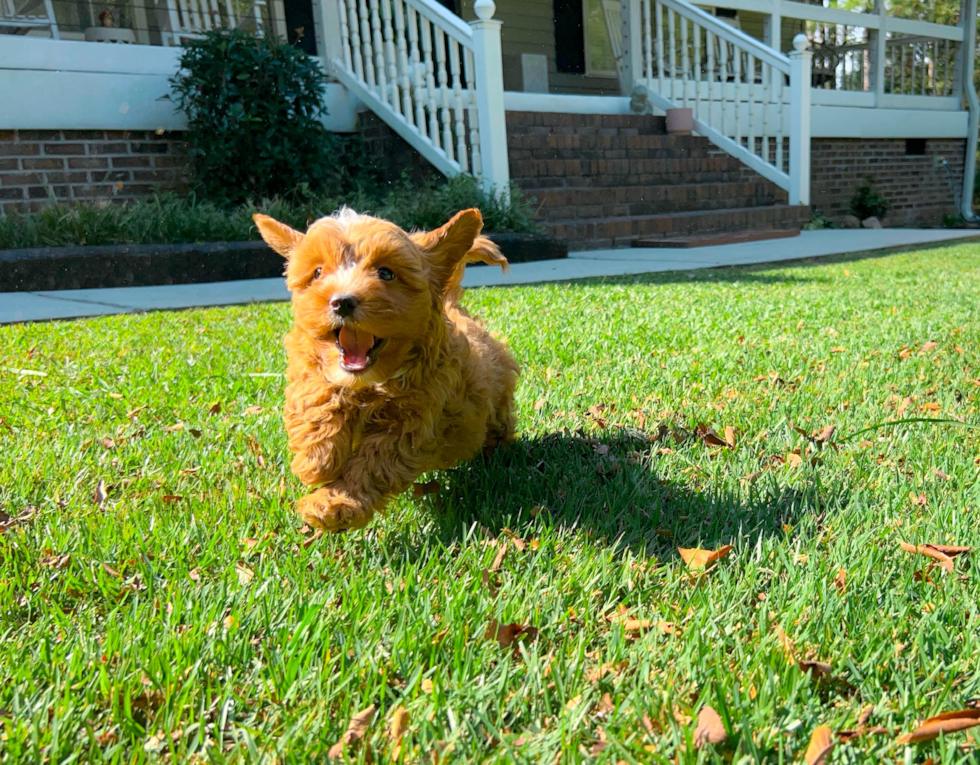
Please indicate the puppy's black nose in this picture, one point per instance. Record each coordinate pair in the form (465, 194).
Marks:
(343, 305)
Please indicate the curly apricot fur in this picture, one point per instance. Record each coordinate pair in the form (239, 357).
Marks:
(438, 389)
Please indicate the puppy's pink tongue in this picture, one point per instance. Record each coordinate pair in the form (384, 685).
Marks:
(355, 344)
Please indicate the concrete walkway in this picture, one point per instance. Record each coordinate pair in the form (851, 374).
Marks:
(70, 304)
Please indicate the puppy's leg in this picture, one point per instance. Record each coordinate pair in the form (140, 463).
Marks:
(379, 468)
(319, 438)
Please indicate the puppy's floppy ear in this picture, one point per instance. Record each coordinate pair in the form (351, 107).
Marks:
(447, 246)
(278, 236)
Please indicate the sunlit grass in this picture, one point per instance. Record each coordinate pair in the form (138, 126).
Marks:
(183, 617)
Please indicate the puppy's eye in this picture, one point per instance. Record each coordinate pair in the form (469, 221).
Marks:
(317, 274)
(386, 274)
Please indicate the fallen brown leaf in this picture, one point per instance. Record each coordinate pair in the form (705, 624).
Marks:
(945, 562)
(507, 635)
(501, 554)
(215, 408)
(948, 722)
(396, 731)
(710, 437)
(821, 745)
(710, 728)
(253, 410)
(245, 574)
(840, 581)
(55, 561)
(698, 558)
(926, 347)
(918, 500)
(730, 436)
(794, 460)
(100, 494)
(356, 729)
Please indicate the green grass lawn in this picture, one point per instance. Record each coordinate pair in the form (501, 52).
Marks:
(157, 600)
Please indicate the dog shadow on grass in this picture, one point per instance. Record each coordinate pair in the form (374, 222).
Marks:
(607, 486)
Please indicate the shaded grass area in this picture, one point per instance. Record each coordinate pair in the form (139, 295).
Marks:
(173, 219)
(181, 616)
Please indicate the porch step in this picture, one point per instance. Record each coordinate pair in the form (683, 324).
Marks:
(711, 240)
(557, 123)
(607, 180)
(618, 201)
(620, 231)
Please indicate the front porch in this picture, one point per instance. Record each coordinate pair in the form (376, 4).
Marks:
(764, 78)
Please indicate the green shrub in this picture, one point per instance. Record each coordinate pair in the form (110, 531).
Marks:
(253, 107)
(868, 203)
(818, 221)
(176, 219)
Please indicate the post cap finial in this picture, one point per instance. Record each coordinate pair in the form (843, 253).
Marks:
(800, 42)
(484, 9)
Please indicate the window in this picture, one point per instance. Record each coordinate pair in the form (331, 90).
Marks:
(603, 19)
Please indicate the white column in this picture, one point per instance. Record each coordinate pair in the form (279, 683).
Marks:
(776, 26)
(631, 68)
(331, 46)
(879, 51)
(488, 62)
(966, 58)
(800, 66)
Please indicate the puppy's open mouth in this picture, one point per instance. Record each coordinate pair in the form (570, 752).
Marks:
(358, 349)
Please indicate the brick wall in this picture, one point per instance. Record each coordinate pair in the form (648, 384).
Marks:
(389, 153)
(84, 165)
(918, 188)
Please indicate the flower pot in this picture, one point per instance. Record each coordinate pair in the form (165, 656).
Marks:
(680, 121)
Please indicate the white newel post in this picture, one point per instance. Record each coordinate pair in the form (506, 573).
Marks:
(488, 62)
(332, 43)
(631, 67)
(801, 64)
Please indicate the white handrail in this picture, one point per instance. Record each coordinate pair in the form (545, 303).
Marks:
(748, 99)
(434, 79)
(727, 32)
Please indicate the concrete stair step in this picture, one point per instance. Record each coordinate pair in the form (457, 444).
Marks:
(710, 240)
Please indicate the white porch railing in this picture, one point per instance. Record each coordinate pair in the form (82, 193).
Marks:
(436, 80)
(747, 98)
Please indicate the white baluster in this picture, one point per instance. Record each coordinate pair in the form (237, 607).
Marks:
(458, 126)
(444, 116)
(404, 78)
(766, 74)
(345, 35)
(685, 62)
(723, 76)
(737, 96)
(378, 45)
(671, 52)
(355, 41)
(430, 80)
(416, 67)
(473, 115)
(709, 44)
(366, 53)
(660, 47)
(780, 95)
(697, 70)
(648, 42)
(391, 57)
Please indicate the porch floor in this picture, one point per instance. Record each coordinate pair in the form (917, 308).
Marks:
(69, 304)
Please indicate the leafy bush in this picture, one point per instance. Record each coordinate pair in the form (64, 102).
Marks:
(177, 219)
(818, 221)
(253, 108)
(868, 203)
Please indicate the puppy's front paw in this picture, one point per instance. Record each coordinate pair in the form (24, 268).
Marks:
(331, 510)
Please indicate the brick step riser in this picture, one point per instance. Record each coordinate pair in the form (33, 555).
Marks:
(548, 214)
(558, 121)
(654, 194)
(608, 184)
(613, 233)
(613, 155)
(550, 143)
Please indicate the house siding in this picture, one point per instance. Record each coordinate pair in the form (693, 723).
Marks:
(919, 189)
(528, 27)
(37, 166)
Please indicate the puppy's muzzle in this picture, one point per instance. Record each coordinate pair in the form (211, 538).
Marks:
(343, 305)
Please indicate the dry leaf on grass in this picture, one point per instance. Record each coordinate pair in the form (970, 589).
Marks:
(698, 558)
(356, 729)
(840, 581)
(396, 730)
(821, 745)
(711, 438)
(100, 494)
(420, 490)
(254, 410)
(944, 554)
(55, 561)
(710, 728)
(245, 574)
(507, 635)
(501, 554)
(948, 722)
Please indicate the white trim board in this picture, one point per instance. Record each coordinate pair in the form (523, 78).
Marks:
(853, 122)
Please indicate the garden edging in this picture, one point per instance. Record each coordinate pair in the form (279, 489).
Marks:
(143, 265)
